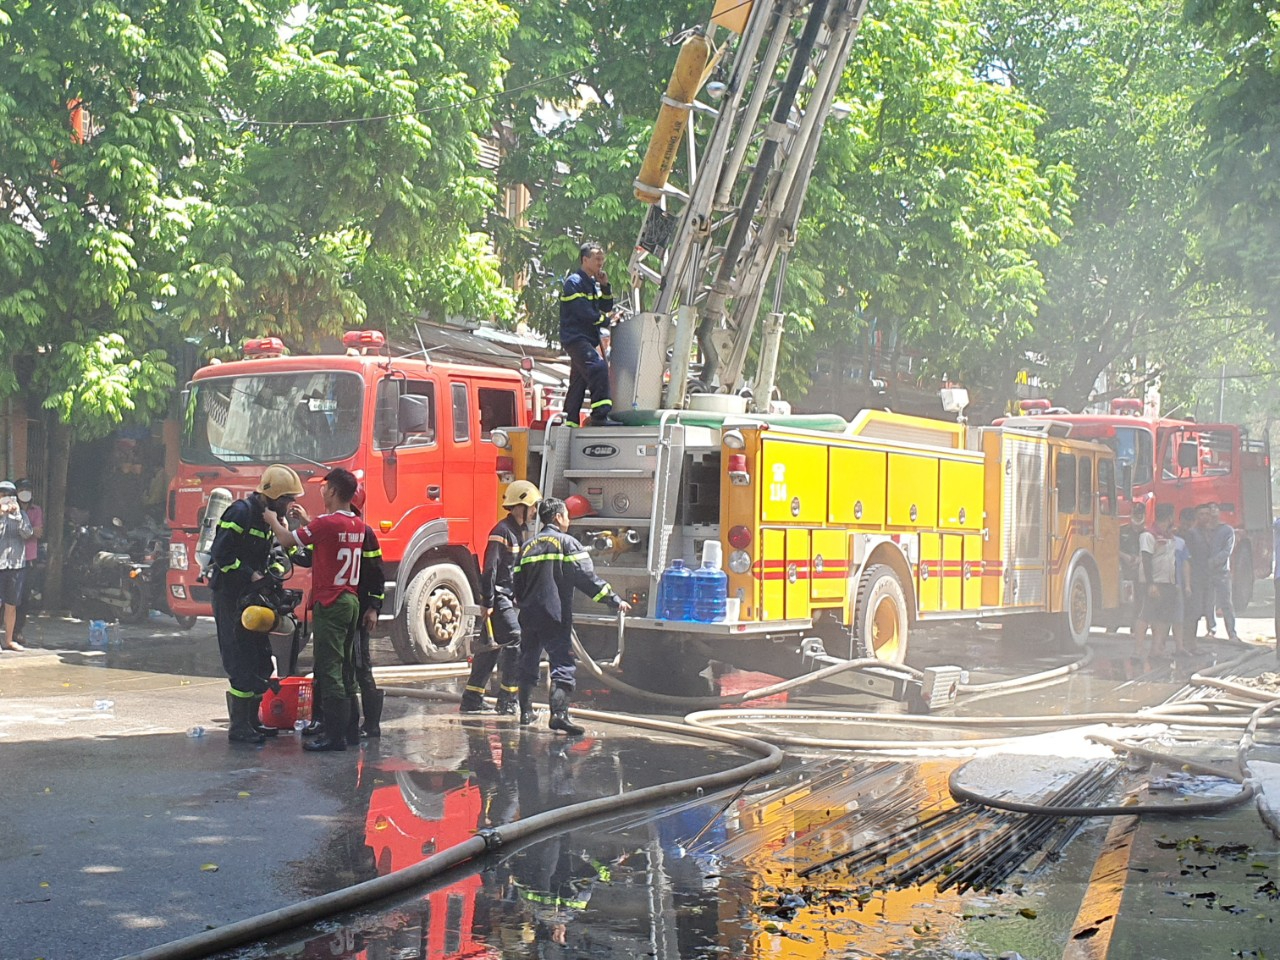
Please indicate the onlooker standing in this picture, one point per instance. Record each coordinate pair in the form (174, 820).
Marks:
(1201, 604)
(15, 528)
(336, 541)
(26, 498)
(1161, 606)
(1194, 554)
(1275, 581)
(1130, 560)
(1222, 543)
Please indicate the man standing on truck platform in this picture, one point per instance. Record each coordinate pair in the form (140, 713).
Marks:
(336, 541)
(239, 556)
(585, 304)
(499, 644)
(551, 565)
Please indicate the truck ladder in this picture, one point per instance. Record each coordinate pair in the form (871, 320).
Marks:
(710, 252)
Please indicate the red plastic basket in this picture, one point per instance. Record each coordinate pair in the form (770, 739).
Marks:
(293, 702)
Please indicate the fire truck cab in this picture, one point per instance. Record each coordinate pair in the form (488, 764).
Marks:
(416, 432)
(1161, 460)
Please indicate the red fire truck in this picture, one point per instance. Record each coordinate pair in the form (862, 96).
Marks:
(1186, 464)
(415, 431)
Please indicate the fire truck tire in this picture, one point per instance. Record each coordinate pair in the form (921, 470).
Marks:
(1242, 580)
(881, 615)
(1072, 626)
(185, 623)
(432, 627)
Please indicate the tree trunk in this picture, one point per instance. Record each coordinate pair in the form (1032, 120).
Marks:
(55, 524)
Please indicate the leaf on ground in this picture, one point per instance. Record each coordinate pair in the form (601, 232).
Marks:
(209, 868)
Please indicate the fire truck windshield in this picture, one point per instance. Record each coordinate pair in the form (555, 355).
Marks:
(1134, 446)
(313, 416)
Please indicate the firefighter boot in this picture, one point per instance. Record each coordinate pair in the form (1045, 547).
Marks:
(255, 718)
(353, 723)
(241, 730)
(314, 725)
(372, 703)
(334, 735)
(507, 701)
(527, 715)
(473, 702)
(560, 712)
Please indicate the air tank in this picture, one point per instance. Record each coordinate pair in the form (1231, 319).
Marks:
(668, 130)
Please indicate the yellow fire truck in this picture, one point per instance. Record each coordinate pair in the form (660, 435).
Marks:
(852, 532)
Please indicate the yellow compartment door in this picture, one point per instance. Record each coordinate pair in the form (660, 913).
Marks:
(913, 492)
(797, 574)
(972, 573)
(960, 494)
(793, 482)
(829, 567)
(857, 487)
(952, 571)
(772, 573)
(929, 573)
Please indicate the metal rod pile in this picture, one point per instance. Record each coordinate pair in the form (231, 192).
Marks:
(967, 846)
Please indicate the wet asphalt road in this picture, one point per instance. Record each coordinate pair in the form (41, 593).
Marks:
(120, 832)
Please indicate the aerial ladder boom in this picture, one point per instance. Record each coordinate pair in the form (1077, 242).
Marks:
(705, 255)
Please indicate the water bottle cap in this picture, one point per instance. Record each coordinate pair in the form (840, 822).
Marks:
(712, 554)
(677, 563)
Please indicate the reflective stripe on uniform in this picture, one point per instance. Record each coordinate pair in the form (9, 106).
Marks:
(230, 525)
(602, 594)
(231, 566)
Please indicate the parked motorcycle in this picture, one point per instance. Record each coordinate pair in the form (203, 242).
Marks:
(118, 574)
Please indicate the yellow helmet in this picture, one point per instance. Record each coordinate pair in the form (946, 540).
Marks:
(280, 481)
(258, 619)
(522, 491)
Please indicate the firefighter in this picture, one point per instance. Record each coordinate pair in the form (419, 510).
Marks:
(499, 643)
(239, 556)
(551, 565)
(585, 304)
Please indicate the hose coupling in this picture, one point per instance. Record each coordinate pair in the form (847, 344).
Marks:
(491, 837)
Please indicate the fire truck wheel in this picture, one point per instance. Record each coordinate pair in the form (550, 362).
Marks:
(1076, 620)
(185, 623)
(432, 627)
(881, 615)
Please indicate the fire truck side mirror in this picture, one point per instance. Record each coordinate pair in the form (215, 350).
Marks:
(411, 414)
(1188, 455)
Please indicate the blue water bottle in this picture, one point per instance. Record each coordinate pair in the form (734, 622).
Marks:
(675, 592)
(710, 586)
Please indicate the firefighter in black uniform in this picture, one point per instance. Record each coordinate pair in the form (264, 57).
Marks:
(551, 565)
(585, 304)
(239, 556)
(499, 643)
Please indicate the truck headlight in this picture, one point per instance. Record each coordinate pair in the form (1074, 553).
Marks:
(177, 556)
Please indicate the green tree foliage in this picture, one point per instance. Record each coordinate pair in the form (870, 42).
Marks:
(1125, 290)
(212, 169)
(350, 192)
(1238, 204)
(923, 213)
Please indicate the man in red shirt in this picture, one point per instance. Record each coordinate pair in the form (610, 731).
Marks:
(336, 542)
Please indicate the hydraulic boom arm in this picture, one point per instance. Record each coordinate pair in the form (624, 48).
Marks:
(704, 256)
